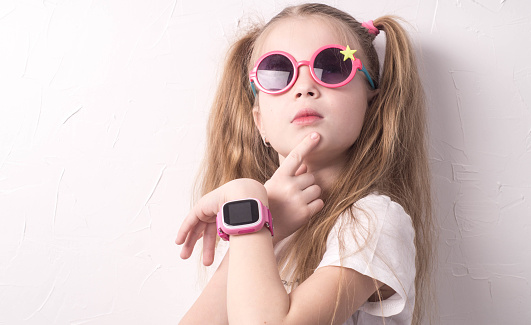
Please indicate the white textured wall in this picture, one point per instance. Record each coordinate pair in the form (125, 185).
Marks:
(103, 107)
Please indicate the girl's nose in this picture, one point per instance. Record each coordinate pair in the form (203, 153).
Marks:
(305, 85)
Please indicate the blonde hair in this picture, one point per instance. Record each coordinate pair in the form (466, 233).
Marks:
(390, 155)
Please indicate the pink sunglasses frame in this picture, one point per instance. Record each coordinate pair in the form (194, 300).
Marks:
(356, 65)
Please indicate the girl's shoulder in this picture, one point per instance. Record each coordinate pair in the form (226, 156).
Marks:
(376, 213)
(380, 204)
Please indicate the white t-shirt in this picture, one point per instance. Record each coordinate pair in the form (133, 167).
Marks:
(388, 256)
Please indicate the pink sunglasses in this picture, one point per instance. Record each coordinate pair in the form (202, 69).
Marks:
(331, 66)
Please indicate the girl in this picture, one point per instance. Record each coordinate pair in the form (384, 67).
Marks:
(304, 124)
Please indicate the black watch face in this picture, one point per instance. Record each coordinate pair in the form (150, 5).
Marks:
(240, 212)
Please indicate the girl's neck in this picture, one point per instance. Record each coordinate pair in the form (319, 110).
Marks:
(326, 175)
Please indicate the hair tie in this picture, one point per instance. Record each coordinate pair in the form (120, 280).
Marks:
(370, 26)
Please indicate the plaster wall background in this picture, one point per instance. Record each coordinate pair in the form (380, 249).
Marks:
(103, 107)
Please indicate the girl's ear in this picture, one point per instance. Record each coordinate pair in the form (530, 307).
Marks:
(372, 93)
(257, 117)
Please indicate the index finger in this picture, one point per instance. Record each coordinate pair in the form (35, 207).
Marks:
(294, 160)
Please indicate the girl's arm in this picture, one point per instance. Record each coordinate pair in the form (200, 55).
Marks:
(211, 306)
(256, 294)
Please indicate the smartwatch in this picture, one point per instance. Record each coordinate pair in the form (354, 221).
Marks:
(242, 217)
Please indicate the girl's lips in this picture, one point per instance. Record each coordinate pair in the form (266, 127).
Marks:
(306, 120)
(306, 116)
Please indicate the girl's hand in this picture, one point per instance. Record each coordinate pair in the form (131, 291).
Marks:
(201, 220)
(292, 192)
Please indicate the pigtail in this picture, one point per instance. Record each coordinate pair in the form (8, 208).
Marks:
(401, 96)
(401, 105)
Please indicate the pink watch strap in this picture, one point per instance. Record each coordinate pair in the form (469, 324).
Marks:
(268, 219)
(221, 233)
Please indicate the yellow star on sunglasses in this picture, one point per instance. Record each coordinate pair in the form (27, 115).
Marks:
(348, 53)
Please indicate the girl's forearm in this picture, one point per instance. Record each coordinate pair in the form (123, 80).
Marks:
(211, 306)
(255, 291)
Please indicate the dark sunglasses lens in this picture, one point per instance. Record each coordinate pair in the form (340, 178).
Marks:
(330, 67)
(275, 72)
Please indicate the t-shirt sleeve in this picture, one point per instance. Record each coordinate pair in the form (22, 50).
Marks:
(379, 244)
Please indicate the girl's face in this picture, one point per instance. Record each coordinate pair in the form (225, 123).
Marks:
(341, 110)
